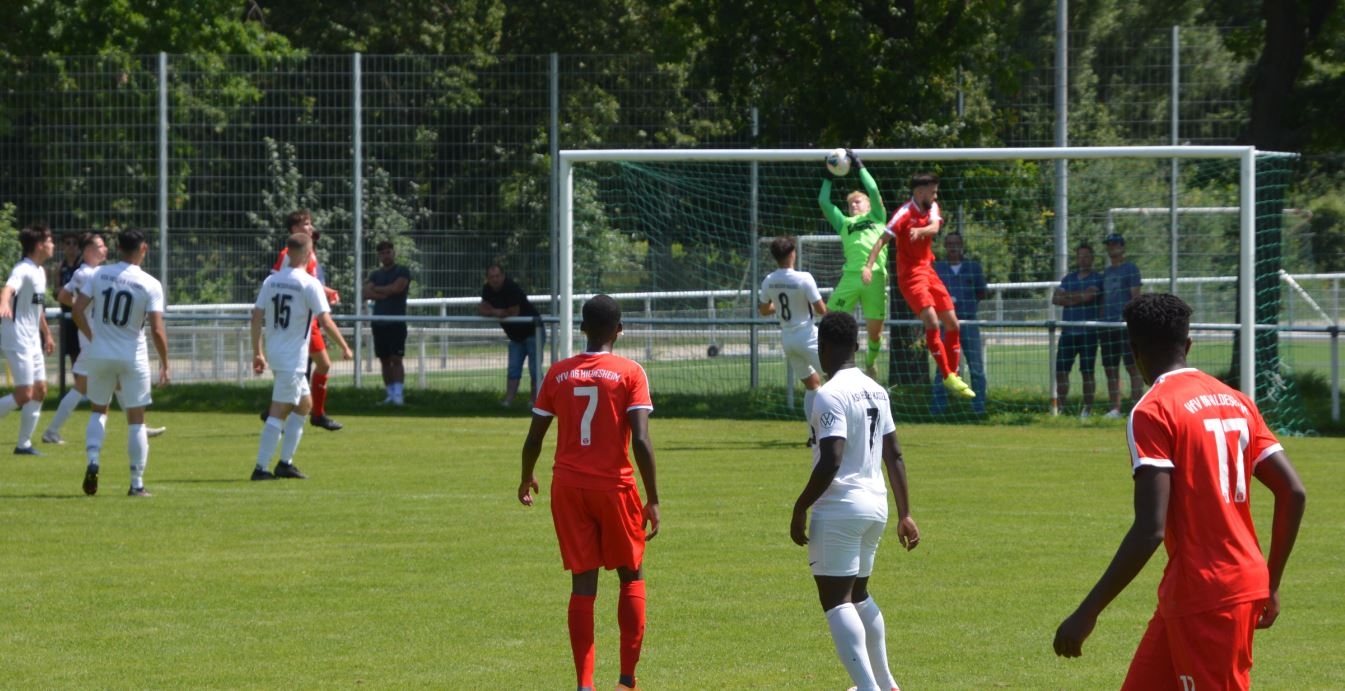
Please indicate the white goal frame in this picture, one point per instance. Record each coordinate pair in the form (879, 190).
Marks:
(567, 159)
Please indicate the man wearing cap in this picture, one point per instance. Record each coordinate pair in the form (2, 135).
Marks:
(1120, 285)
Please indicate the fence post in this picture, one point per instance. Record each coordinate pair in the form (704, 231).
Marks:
(357, 203)
(163, 171)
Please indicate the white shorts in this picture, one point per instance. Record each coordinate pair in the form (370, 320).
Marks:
(105, 376)
(27, 368)
(800, 346)
(843, 546)
(290, 387)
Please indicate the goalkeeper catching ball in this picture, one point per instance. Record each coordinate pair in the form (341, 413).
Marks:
(860, 231)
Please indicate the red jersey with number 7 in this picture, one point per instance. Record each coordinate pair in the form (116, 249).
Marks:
(589, 395)
(1210, 437)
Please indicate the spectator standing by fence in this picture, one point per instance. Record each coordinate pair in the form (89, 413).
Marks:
(388, 286)
(1121, 284)
(502, 298)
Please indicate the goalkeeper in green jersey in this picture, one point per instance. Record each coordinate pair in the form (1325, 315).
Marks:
(859, 232)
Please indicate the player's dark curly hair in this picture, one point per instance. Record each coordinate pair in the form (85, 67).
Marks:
(1158, 321)
(602, 312)
(839, 329)
(781, 247)
(922, 179)
(31, 236)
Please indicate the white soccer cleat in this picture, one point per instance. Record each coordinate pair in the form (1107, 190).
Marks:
(1113, 414)
(51, 436)
(155, 431)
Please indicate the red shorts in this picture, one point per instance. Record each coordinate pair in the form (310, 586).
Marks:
(923, 288)
(1207, 650)
(316, 344)
(598, 527)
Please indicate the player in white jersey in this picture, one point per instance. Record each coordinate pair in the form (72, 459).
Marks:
(24, 336)
(111, 311)
(856, 437)
(793, 295)
(285, 308)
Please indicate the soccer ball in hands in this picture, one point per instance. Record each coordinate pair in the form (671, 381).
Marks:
(838, 162)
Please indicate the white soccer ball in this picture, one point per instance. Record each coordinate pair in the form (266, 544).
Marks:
(838, 162)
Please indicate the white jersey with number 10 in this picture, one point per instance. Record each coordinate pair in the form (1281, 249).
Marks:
(121, 295)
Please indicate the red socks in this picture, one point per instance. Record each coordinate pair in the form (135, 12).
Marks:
(319, 395)
(581, 637)
(952, 347)
(935, 345)
(630, 617)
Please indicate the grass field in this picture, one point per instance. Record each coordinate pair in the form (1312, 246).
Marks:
(406, 562)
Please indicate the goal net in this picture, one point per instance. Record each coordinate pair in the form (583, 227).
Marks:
(681, 238)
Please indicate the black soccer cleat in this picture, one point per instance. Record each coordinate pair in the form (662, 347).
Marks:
(91, 481)
(262, 474)
(138, 492)
(326, 423)
(27, 451)
(288, 471)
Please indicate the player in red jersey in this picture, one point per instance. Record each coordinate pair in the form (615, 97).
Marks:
(914, 226)
(601, 404)
(301, 221)
(1194, 442)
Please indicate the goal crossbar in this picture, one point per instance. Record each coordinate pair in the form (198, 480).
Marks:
(568, 158)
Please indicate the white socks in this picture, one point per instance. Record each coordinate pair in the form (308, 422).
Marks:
(847, 633)
(875, 639)
(69, 402)
(32, 410)
(270, 439)
(137, 447)
(93, 437)
(8, 405)
(294, 431)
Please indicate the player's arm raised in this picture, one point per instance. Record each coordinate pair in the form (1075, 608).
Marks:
(643, 450)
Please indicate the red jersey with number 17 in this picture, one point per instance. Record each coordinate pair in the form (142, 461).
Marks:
(1210, 437)
(589, 395)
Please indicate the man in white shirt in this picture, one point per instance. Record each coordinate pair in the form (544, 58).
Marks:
(24, 336)
(289, 300)
(111, 311)
(856, 437)
(793, 295)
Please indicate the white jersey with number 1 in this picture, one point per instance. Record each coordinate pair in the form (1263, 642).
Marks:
(793, 293)
(121, 295)
(29, 283)
(289, 299)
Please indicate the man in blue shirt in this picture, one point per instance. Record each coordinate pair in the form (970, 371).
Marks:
(1080, 293)
(1121, 284)
(965, 282)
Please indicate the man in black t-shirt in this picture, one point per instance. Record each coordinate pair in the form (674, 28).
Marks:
(502, 298)
(387, 287)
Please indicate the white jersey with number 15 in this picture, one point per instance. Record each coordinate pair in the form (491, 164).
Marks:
(289, 300)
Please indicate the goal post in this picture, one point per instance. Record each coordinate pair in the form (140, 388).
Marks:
(673, 178)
